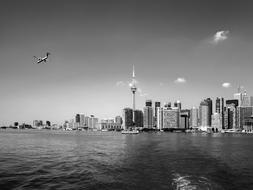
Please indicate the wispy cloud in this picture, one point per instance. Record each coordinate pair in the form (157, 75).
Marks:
(180, 80)
(220, 36)
(141, 93)
(120, 83)
(226, 85)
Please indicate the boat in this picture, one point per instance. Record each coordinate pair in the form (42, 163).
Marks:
(130, 132)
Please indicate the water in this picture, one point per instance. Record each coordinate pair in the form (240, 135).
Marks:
(31, 159)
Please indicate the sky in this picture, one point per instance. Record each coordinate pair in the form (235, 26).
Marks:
(182, 50)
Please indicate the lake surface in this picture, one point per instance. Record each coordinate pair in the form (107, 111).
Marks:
(31, 159)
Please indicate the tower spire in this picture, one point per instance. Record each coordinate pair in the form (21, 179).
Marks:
(133, 72)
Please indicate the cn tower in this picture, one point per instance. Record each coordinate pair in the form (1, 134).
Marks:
(133, 89)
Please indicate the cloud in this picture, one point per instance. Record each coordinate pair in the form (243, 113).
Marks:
(180, 80)
(220, 36)
(226, 85)
(141, 93)
(120, 83)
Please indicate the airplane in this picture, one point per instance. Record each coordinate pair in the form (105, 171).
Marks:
(40, 59)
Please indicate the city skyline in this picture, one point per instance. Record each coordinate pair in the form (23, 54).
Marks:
(187, 51)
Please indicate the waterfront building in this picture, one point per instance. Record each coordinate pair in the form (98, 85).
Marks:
(118, 119)
(231, 114)
(210, 111)
(184, 119)
(48, 123)
(194, 117)
(248, 124)
(171, 117)
(127, 117)
(138, 118)
(244, 113)
(36, 123)
(109, 126)
(159, 118)
(204, 114)
(251, 100)
(239, 96)
(219, 108)
(92, 122)
(86, 121)
(77, 118)
(148, 115)
(82, 120)
(216, 122)
(157, 105)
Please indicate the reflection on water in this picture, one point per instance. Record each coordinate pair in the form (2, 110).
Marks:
(31, 159)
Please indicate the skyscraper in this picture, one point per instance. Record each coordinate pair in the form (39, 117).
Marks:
(133, 89)
(204, 112)
(194, 117)
(82, 120)
(245, 100)
(210, 111)
(159, 118)
(184, 119)
(157, 105)
(138, 118)
(231, 113)
(148, 115)
(219, 108)
(178, 105)
(127, 116)
(171, 118)
(238, 96)
(118, 119)
(77, 118)
(216, 122)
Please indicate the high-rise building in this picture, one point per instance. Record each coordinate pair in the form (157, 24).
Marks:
(194, 117)
(48, 123)
(167, 105)
(127, 117)
(159, 118)
(148, 103)
(148, 115)
(92, 122)
(178, 105)
(82, 120)
(77, 118)
(231, 113)
(118, 119)
(138, 118)
(86, 121)
(243, 114)
(219, 108)
(210, 112)
(251, 100)
(171, 118)
(184, 119)
(204, 116)
(216, 122)
(239, 96)
(133, 89)
(245, 100)
(157, 105)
